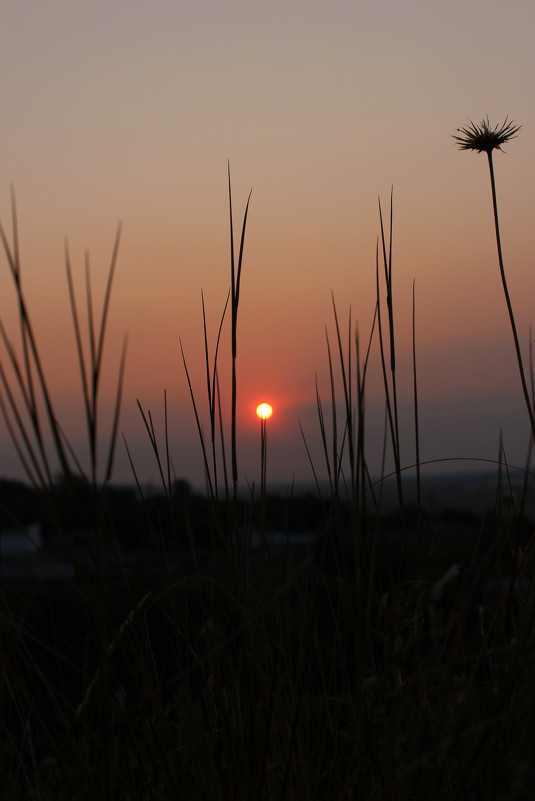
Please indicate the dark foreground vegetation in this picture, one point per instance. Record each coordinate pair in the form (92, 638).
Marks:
(379, 656)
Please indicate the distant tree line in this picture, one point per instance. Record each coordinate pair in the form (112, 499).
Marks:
(73, 509)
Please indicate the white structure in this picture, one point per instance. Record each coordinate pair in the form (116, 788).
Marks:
(20, 550)
(21, 543)
(23, 557)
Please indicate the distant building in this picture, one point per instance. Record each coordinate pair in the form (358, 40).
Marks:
(21, 542)
(19, 551)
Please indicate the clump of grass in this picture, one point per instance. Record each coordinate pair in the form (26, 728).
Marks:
(28, 435)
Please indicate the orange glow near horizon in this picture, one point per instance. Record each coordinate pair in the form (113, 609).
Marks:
(111, 146)
(264, 411)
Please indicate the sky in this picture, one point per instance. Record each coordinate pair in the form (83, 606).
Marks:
(132, 112)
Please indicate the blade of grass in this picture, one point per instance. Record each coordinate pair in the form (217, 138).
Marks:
(235, 275)
(199, 427)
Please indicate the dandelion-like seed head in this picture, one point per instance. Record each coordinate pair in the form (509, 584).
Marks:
(483, 138)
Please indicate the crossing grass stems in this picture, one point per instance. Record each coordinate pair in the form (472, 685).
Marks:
(364, 665)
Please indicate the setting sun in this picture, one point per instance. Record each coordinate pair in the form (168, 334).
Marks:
(264, 411)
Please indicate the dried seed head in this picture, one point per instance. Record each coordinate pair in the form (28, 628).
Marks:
(483, 138)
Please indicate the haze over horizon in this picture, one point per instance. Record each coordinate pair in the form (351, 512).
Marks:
(125, 111)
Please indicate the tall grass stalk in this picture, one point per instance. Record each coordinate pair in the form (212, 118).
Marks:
(390, 394)
(91, 374)
(34, 454)
(483, 138)
(235, 282)
(417, 429)
(263, 463)
(510, 312)
(211, 368)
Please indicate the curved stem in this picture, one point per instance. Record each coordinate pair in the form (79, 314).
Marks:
(508, 299)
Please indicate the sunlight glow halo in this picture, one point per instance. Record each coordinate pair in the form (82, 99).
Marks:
(264, 411)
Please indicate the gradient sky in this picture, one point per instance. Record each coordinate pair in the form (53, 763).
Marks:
(129, 111)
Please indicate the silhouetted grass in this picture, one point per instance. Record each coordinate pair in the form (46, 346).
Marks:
(378, 660)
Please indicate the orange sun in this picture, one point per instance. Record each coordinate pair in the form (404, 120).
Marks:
(264, 411)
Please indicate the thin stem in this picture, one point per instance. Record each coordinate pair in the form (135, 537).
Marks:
(235, 277)
(508, 300)
(416, 428)
(263, 456)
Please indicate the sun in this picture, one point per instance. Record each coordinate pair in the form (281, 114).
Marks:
(264, 410)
